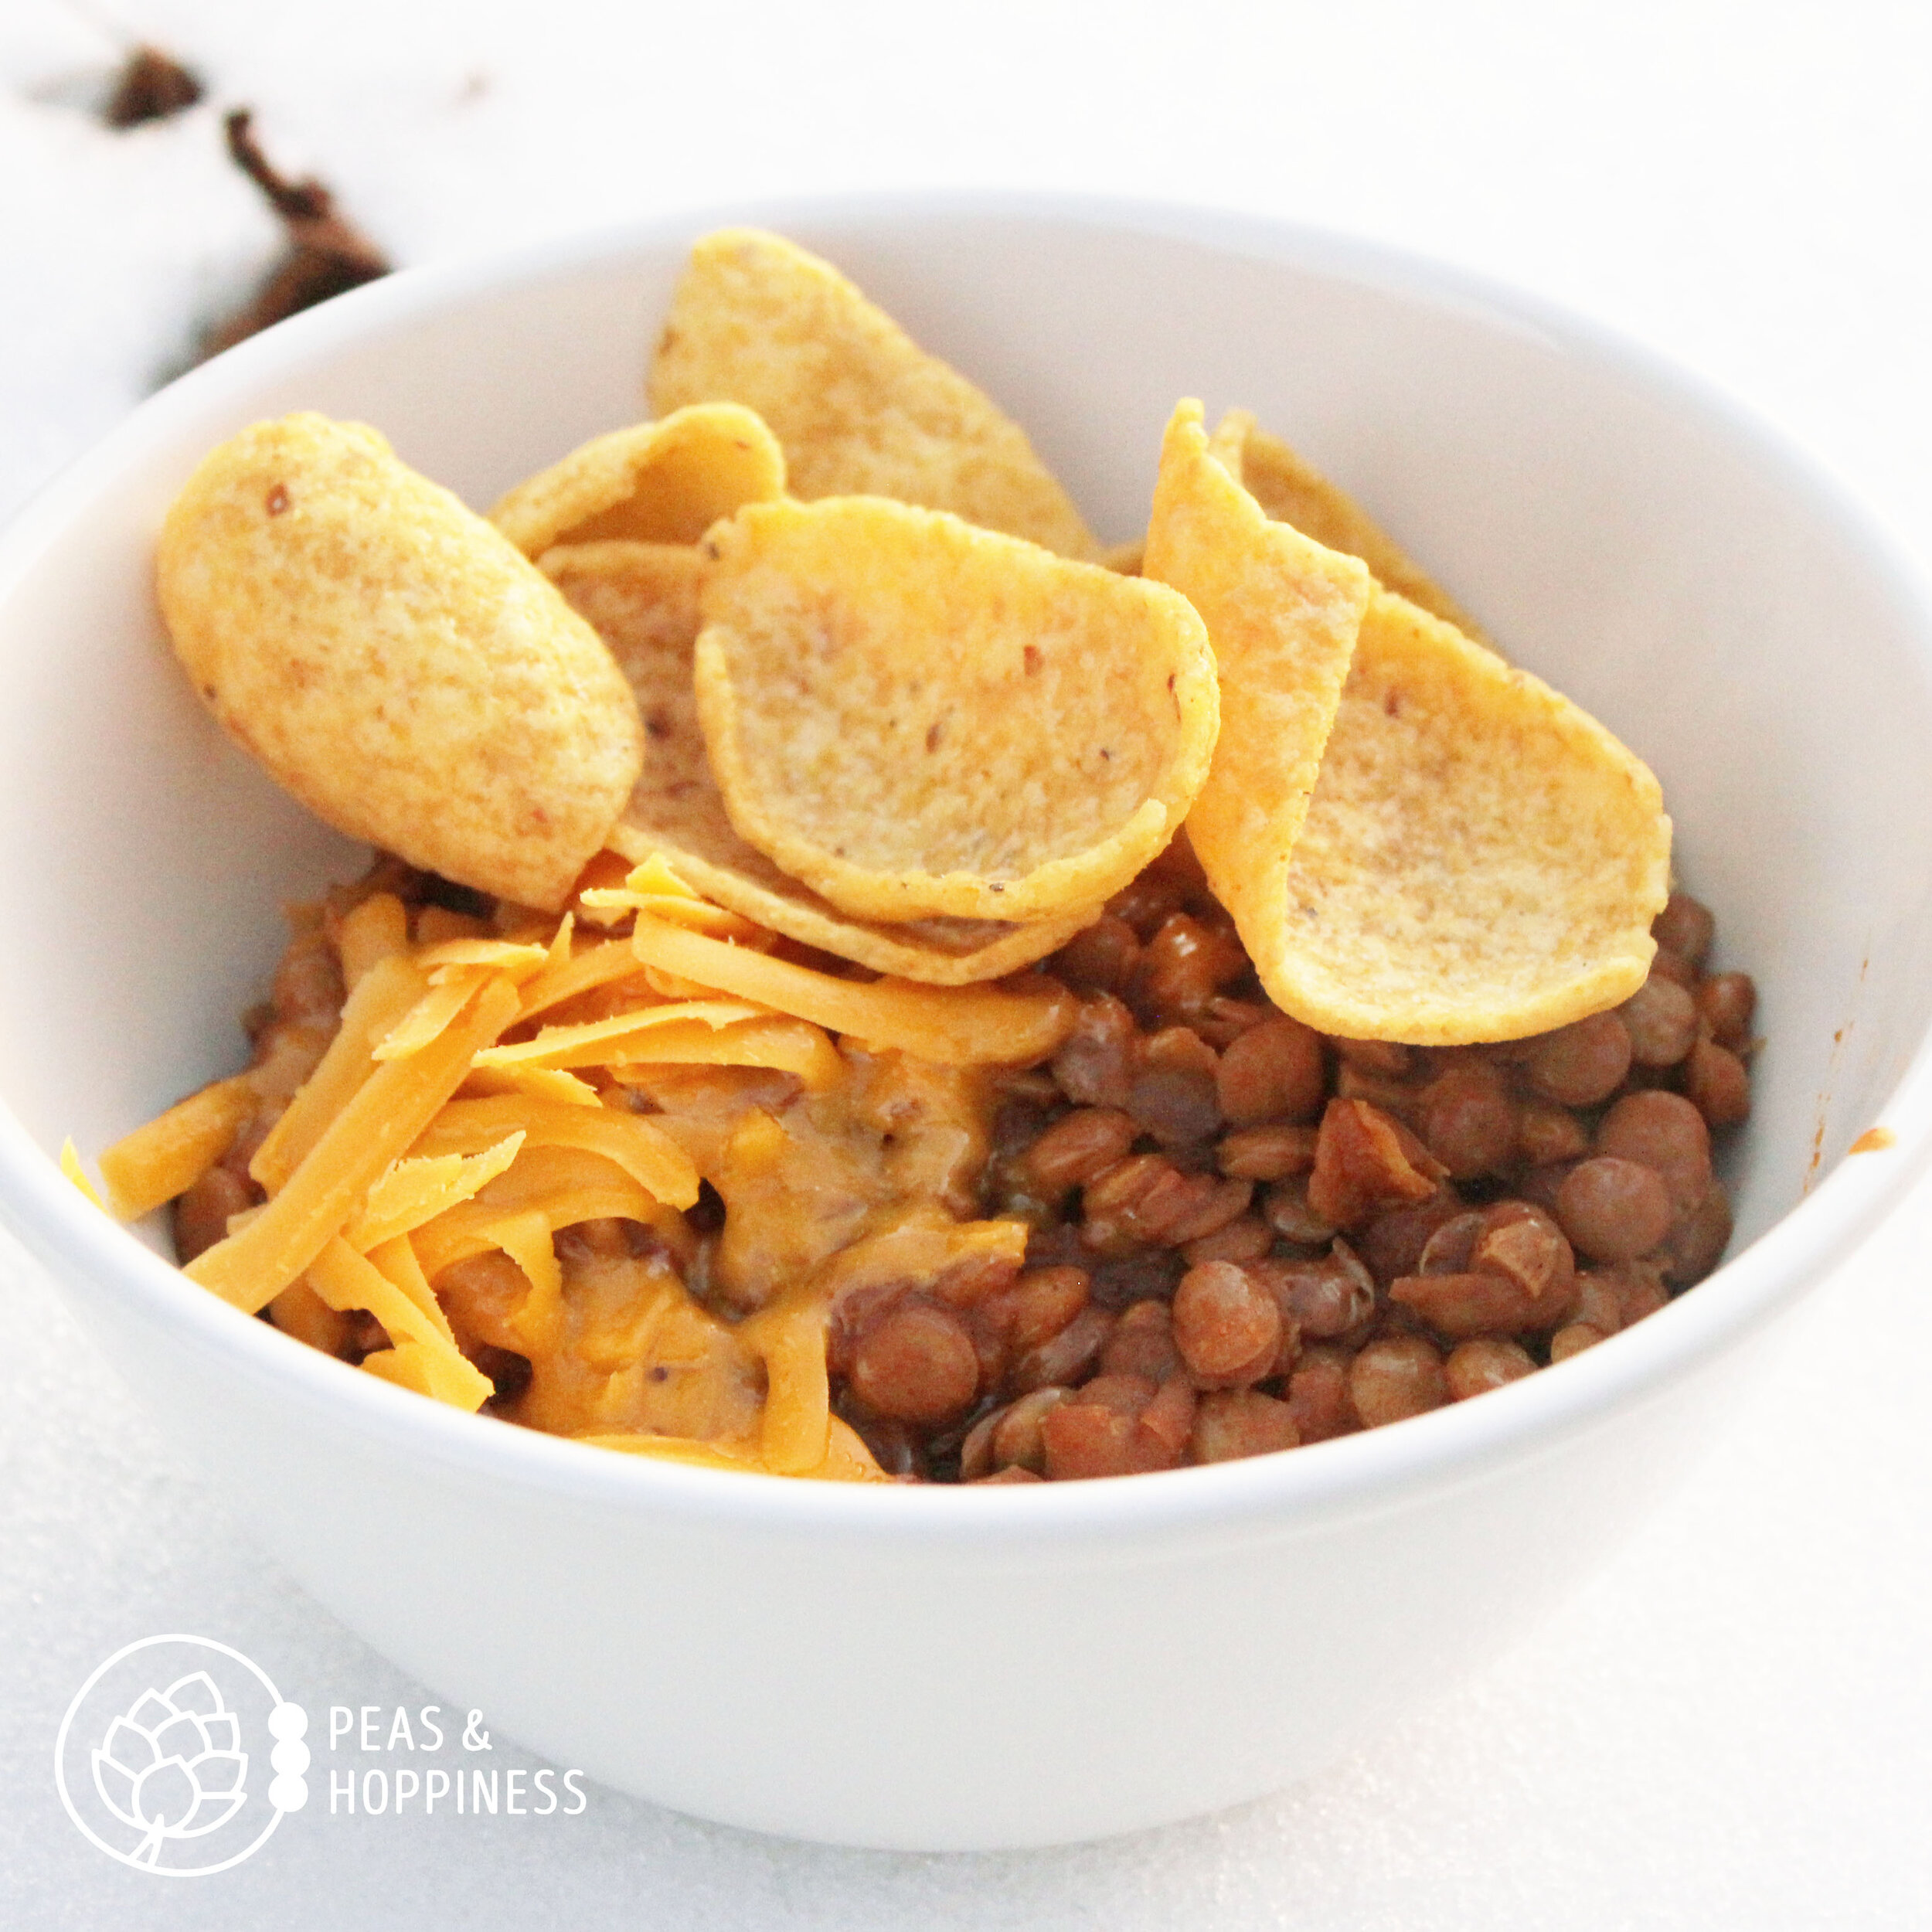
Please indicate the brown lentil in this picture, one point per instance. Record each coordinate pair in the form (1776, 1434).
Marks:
(1010, 1437)
(1267, 1153)
(1227, 1325)
(1465, 1304)
(1661, 1018)
(1363, 1160)
(1468, 1122)
(1727, 1003)
(1246, 1238)
(1685, 927)
(1182, 967)
(1613, 1209)
(917, 1364)
(1573, 1340)
(1066, 1357)
(1292, 1215)
(1272, 1072)
(1546, 1134)
(1079, 1147)
(1580, 1064)
(1095, 1067)
(1697, 1244)
(1317, 1394)
(200, 1215)
(1041, 1302)
(1383, 1056)
(1665, 1133)
(1395, 1376)
(1323, 1298)
(1717, 1083)
(1101, 959)
(1476, 1366)
(1142, 1343)
(1232, 1423)
(1392, 1244)
(1168, 1421)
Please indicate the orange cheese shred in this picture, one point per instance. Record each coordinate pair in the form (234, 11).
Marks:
(543, 1082)
(387, 991)
(602, 963)
(958, 1026)
(646, 1153)
(417, 1190)
(449, 992)
(396, 1260)
(346, 1280)
(376, 929)
(790, 1337)
(169, 1155)
(516, 960)
(562, 1185)
(592, 1042)
(442, 1375)
(525, 1239)
(846, 1460)
(70, 1166)
(389, 1111)
(789, 1046)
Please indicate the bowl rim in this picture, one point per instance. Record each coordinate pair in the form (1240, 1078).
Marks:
(87, 1253)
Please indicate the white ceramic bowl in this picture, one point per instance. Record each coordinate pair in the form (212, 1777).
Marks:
(979, 1668)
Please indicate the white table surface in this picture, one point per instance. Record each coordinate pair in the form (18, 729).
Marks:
(1733, 1726)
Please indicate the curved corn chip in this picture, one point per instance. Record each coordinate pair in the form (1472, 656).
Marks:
(1282, 614)
(1481, 860)
(662, 482)
(1292, 490)
(394, 661)
(642, 600)
(918, 718)
(860, 408)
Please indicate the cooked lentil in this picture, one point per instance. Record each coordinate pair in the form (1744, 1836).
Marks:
(1242, 1237)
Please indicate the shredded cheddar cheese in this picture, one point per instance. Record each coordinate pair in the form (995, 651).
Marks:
(447, 1189)
(156, 1162)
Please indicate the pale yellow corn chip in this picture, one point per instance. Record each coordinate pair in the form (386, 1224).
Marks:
(918, 718)
(662, 482)
(860, 407)
(642, 600)
(1481, 860)
(394, 661)
(1282, 614)
(1293, 491)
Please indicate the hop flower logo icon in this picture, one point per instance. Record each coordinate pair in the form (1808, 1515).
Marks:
(173, 1767)
(152, 1761)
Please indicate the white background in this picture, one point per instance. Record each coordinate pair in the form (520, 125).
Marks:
(1732, 1727)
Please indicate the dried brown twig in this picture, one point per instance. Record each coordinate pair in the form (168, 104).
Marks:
(326, 254)
(151, 85)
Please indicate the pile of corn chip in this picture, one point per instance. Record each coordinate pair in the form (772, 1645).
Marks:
(825, 640)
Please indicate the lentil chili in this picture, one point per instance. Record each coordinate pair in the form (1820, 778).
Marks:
(1239, 1236)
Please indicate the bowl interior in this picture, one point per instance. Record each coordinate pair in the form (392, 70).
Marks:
(1623, 534)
